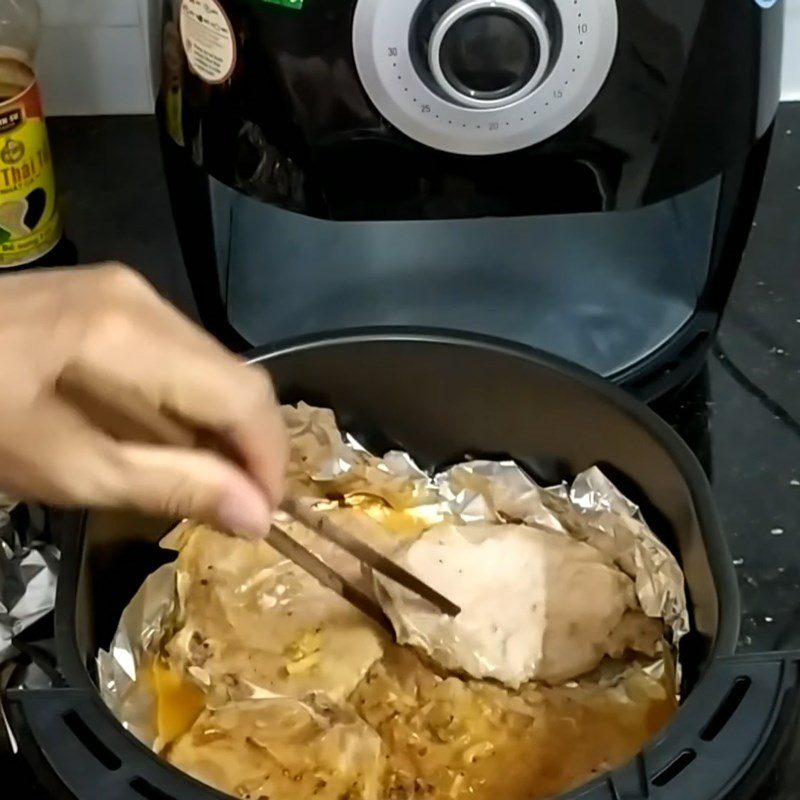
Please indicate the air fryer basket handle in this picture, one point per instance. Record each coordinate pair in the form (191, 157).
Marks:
(730, 736)
(80, 752)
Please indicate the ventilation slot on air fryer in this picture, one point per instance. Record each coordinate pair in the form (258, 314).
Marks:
(672, 770)
(147, 790)
(90, 741)
(727, 708)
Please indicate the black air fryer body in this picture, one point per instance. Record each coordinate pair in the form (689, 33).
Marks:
(577, 175)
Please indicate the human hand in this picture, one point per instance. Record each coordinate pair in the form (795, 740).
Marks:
(114, 328)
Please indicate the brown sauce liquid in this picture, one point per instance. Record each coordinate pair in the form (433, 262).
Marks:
(451, 742)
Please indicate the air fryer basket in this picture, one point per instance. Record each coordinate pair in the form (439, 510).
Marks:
(443, 398)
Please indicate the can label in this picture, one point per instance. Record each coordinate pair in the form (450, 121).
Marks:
(30, 224)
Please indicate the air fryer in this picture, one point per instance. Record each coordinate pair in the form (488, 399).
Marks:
(575, 175)
(731, 738)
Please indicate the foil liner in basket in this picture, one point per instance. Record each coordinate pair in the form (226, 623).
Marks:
(325, 463)
(28, 569)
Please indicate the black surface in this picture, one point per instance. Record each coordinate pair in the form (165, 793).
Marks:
(111, 184)
(662, 123)
(742, 419)
(294, 126)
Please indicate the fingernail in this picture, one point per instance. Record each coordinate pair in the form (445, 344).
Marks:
(245, 512)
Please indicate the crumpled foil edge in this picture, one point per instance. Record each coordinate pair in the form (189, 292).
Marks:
(28, 574)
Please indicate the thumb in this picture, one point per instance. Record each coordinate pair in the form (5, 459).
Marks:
(178, 483)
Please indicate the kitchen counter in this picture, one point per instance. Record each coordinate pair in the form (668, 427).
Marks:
(741, 416)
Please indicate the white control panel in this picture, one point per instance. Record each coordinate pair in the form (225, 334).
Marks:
(483, 77)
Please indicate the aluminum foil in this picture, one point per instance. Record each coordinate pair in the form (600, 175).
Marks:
(27, 580)
(590, 509)
(393, 492)
(141, 630)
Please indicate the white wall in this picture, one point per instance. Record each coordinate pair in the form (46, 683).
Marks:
(791, 52)
(94, 57)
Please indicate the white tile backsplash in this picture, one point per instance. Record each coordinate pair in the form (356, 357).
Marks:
(90, 13)
(94, 70)
(95, 57)
(791, 52)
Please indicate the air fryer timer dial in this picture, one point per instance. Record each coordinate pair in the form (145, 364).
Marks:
(489, 53)
(481, 77)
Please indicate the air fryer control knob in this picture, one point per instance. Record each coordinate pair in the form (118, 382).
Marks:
(483, 77)
(489, 53)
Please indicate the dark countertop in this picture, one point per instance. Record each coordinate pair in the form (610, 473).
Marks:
(742, 416)
(752, 408)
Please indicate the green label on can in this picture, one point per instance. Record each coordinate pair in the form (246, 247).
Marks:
(297, 4)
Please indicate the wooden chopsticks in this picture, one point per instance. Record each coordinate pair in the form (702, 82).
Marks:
(376, 561)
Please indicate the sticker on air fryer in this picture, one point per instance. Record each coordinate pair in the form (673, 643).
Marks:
(208, 40)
